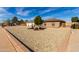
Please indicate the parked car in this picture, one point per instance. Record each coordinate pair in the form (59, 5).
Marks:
(36, 28)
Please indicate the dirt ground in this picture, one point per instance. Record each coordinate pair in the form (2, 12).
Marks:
(53, 39)
(48, 40)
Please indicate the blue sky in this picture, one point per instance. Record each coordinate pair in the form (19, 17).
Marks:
(28, 13)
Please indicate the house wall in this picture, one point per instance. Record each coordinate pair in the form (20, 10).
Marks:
(57, 24)
(52, 24)
(63, 25)
(69, 24)
(29, 25)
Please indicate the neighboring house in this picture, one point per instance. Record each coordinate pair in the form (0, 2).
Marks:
(75, 25)
(22, 24)
(4, 24)
(54, 23)
(30, 24)
(50, 23)
(68, 24)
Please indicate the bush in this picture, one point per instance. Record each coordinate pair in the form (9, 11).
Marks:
(75, 26)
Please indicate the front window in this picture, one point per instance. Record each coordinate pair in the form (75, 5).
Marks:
(53, 24)
(45, 24)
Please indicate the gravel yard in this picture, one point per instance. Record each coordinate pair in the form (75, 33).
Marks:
(42, 40)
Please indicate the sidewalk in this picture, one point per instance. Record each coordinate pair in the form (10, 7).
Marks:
(73, 45)
(9, 43)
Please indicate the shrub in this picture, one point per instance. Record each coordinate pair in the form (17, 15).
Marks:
(75, 26)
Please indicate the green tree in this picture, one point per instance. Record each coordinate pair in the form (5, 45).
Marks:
(38, 20)
(14, 20)
(26, 20)
(7, 22)
(22, 21)
(74, 19)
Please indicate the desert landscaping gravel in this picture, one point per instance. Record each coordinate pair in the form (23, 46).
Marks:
(42, 40)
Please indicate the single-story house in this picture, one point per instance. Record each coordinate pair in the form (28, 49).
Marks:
(5, 24)
(49, 23)
(68, 24)
(30, 24)
(54, 23)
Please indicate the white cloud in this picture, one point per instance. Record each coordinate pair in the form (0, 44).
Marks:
(76, 10)
(48, 10)
(46, 17)
(21, 12)
(65, 15)
(69, 12)
(4, 12)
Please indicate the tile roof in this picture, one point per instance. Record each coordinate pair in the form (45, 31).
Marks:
(54, 20)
